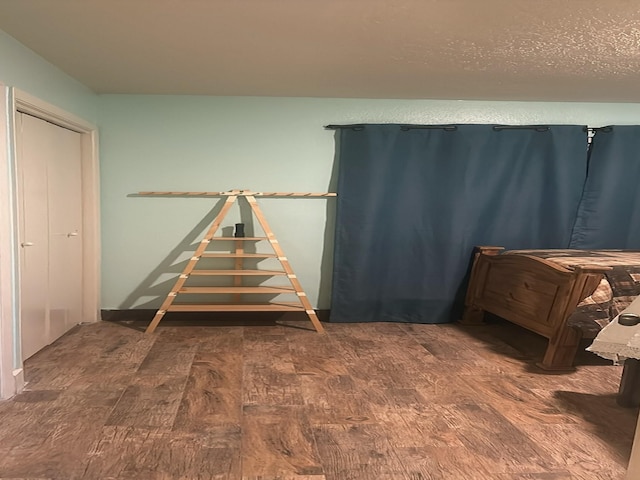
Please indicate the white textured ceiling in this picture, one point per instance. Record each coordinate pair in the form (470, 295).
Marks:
(572, 50)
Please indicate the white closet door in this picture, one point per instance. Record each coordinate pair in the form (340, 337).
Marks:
(64, 172)
(34, 233)
(49, 170)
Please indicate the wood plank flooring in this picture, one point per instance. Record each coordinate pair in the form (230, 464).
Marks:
(281, 402)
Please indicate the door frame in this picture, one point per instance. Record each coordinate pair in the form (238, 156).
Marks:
(13, 101)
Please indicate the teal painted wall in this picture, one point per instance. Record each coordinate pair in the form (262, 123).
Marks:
(24, 69)
(194, 143)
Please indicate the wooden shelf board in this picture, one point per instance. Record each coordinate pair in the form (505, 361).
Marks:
(267, 273)
(238, 255)
(239, 238)
(259, 289)
(237, 307)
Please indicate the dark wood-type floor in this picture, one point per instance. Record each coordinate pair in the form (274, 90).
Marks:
(279, 401)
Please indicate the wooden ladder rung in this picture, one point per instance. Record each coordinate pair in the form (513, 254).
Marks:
(226, 273)
(258, 289)
(237, 307)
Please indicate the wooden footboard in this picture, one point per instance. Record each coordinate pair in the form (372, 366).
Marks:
(534, 293)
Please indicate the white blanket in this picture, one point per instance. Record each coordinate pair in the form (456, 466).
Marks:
(618, 342)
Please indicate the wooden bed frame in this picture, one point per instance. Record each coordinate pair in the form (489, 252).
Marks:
(534, 293)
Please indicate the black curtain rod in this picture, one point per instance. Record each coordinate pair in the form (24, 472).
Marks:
(404, 128)
(448, 128)
(537, 128)
(356, 127)
(606, 129)
(451, 128)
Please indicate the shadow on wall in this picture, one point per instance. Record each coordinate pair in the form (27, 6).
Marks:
(151, 287)
(326, 263)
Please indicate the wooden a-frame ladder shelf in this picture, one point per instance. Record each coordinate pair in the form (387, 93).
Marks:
(239, 272)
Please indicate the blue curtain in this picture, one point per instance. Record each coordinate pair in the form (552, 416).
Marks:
(413, 201)
(609, 214)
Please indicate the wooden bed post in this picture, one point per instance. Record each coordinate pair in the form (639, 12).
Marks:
(561, 350)
(565, 340)
(473, 315)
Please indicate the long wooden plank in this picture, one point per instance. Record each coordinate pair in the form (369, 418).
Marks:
(237, 255)
(237, 307)
(239, 193)
(264, 273)
(239, 239)
(149, 401)
(239, 289)
(278, 442)
(212, 400)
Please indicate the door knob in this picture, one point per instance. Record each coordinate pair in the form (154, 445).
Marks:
(26, 244)
(72, 234)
